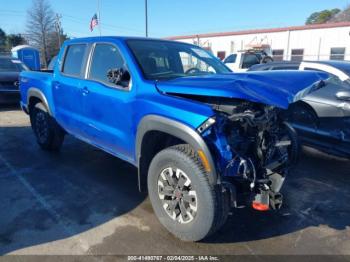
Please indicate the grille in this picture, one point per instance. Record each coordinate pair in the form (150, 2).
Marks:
(9, 85)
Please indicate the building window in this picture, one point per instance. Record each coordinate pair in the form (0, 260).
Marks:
(297, 54)
(278, 54)
(221, 55)
(337, 53)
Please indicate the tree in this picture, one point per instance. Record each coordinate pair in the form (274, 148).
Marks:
(41, 26)
(343, 16)
(53, 43)
(322, 17)
(2, 41)
(13, 40)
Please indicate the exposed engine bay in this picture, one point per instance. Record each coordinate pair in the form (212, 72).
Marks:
(254, 149)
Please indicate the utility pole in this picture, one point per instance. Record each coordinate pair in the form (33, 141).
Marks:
(58, 27)
(146, 16)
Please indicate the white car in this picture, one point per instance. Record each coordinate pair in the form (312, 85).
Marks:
(243, 60)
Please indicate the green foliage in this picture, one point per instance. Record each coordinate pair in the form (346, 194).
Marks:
(9, 41)
(13, 40)
(322, 16)
(2, 41)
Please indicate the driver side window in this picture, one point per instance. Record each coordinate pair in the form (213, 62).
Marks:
(105, 57)
(190, 61)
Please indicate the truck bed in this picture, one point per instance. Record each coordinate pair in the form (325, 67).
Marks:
(38, 81)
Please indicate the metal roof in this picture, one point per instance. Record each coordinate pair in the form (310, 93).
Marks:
(20, 47)
(262, 31)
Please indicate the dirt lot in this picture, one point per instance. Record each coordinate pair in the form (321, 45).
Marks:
(84, 201)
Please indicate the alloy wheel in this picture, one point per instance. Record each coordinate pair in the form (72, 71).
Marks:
(179, 199)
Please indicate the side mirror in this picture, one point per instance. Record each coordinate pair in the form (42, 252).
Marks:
(119, 76)
(343, 95)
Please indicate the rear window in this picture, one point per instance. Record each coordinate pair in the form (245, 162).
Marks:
(73, 62)
(231, 59)
(250, 60)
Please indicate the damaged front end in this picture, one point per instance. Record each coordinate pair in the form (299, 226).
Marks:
(254, 149)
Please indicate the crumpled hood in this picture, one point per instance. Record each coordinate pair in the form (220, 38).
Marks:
(276, 88)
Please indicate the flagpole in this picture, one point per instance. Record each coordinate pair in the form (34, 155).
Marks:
(146, 17)
(99, 16)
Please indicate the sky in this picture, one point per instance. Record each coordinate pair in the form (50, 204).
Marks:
(168, 17)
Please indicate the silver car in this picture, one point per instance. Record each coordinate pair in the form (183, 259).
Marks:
(322, 118)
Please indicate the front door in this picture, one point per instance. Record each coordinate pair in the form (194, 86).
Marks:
(107, 106)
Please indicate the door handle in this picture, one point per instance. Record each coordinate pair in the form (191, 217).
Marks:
(85, 91)
(343, 95)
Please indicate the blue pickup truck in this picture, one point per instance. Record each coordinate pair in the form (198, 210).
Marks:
(204, 140)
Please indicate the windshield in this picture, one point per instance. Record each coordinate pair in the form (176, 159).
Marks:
(345, 67)
(161, 60)
(336, 82)
(11, 65)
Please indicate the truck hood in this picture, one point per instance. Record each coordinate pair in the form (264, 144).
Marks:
(9, 76)
(276, 88)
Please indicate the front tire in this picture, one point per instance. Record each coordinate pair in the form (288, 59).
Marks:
(48, 133)
(182, 198)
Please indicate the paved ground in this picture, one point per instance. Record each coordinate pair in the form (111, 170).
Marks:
(84, 201)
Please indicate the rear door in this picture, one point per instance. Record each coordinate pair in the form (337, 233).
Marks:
(67, 92)
(107, 106)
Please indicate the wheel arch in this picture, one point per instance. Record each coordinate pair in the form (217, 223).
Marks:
(35, 94)
(308, 107)
(155, 133)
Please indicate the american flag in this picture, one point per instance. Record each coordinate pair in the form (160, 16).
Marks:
(94, 22)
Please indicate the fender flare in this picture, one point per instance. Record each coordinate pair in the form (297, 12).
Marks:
(35, 92)
(176, 129)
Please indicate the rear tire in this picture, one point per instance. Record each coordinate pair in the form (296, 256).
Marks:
(182, 198)
(48, 133)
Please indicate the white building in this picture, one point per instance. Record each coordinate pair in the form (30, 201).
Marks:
(310, 42)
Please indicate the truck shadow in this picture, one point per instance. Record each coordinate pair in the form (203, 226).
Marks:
(316, 193)
(51, 196)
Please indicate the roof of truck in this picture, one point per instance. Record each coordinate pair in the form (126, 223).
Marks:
(93, 39)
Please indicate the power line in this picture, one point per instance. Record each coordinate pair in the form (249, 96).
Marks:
(79, 21)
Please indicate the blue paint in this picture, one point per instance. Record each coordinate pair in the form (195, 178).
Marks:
(109, 117)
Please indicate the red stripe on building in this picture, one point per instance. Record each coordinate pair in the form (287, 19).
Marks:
(263, 31)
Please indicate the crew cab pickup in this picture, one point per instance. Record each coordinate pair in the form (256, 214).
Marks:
(204, 140)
